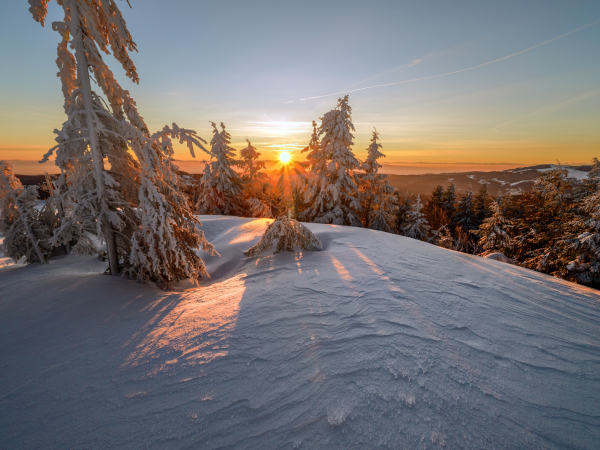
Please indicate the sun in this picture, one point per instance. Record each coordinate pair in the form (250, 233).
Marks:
(285, 157)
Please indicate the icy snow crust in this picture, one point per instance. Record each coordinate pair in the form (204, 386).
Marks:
(378, 341)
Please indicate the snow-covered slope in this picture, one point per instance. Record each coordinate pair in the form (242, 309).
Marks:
(378, 341)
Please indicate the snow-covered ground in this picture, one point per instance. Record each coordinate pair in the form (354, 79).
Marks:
(571, 172)
(378, 341)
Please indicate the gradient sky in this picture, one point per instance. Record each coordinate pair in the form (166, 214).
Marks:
(249, 64)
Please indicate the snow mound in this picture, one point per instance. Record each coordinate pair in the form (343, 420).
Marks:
(377, 341)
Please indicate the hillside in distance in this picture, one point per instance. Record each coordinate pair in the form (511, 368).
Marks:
(513, 181)
(378, 342)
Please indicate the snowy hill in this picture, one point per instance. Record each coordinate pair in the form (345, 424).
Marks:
(378, 341)
(513, 181)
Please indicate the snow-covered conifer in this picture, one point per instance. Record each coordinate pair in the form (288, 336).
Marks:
(221, 188)
(163, 248)
(493, 231)
(375, 192)
(444, 238)
(465, 215)
(290, 236)
(416, 226)
(251, 170)
(480, 205)
(332, 192)
(24, 234)
(253, 180)
(90, 133)
(101, 202)
(449, 201)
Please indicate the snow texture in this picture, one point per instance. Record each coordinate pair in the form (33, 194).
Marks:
(377, 341)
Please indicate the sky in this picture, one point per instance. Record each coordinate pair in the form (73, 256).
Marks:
(465, 83)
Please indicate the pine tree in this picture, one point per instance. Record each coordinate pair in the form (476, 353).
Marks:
(375, 192)
(580, 256)
(493, 231)
(101, 202)
(221, 188)
(253, 179)
(163, 248)
(480, 206)
(332, 192)
(416, 226)
(444, 238)
(24, 234)
(88, 135)
(449, 201)
(434, 210)
(290, 236)
(403, 206)
(465, 215)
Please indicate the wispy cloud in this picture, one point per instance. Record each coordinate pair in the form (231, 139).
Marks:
(456, 71)
(550, 109)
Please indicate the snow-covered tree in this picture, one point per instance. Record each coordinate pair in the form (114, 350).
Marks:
(163, 247)
(434, 210)
(290, 236)
(449, 201)
(332, 192)
(493, 231)
(375, 192)
(91, 132)
(24, 234)
(221, 188)
(465, 216)
(253, 180)
(101, 201)
(252, 176)
(416, 226)
(480, 205)
(444, 238)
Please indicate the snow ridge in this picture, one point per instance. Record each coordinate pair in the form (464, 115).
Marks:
(377, 341)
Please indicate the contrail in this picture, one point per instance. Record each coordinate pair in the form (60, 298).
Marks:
(457, 71)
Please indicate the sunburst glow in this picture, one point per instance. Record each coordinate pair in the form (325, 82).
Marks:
(285, 157)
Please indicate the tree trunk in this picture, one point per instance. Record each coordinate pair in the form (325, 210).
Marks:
(97, 158)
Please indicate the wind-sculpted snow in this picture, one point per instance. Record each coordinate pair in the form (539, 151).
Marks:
(377, 341)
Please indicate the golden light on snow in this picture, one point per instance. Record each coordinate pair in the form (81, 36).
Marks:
(285, 157)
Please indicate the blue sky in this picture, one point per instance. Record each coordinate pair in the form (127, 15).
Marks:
(248, 63)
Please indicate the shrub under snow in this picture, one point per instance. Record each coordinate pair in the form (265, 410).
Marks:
(289, 234)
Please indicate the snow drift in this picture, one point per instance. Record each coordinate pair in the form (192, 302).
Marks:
(377, 341)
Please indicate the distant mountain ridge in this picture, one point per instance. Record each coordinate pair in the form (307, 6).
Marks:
(514, 181)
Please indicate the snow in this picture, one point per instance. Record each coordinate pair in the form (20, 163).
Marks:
(377, 341)
(571, 173)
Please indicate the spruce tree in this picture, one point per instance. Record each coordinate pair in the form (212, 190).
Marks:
(332, 193)
(434, 210)
(253, 180)
(375, 192)
(221, 188)
(289, 234)
(24, 234)
(480, 205)
(102, 201)
(416, 226)
(465, 216)
(449, 201)
(493, 231)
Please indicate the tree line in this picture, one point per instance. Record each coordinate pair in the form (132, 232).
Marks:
(119, 192)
